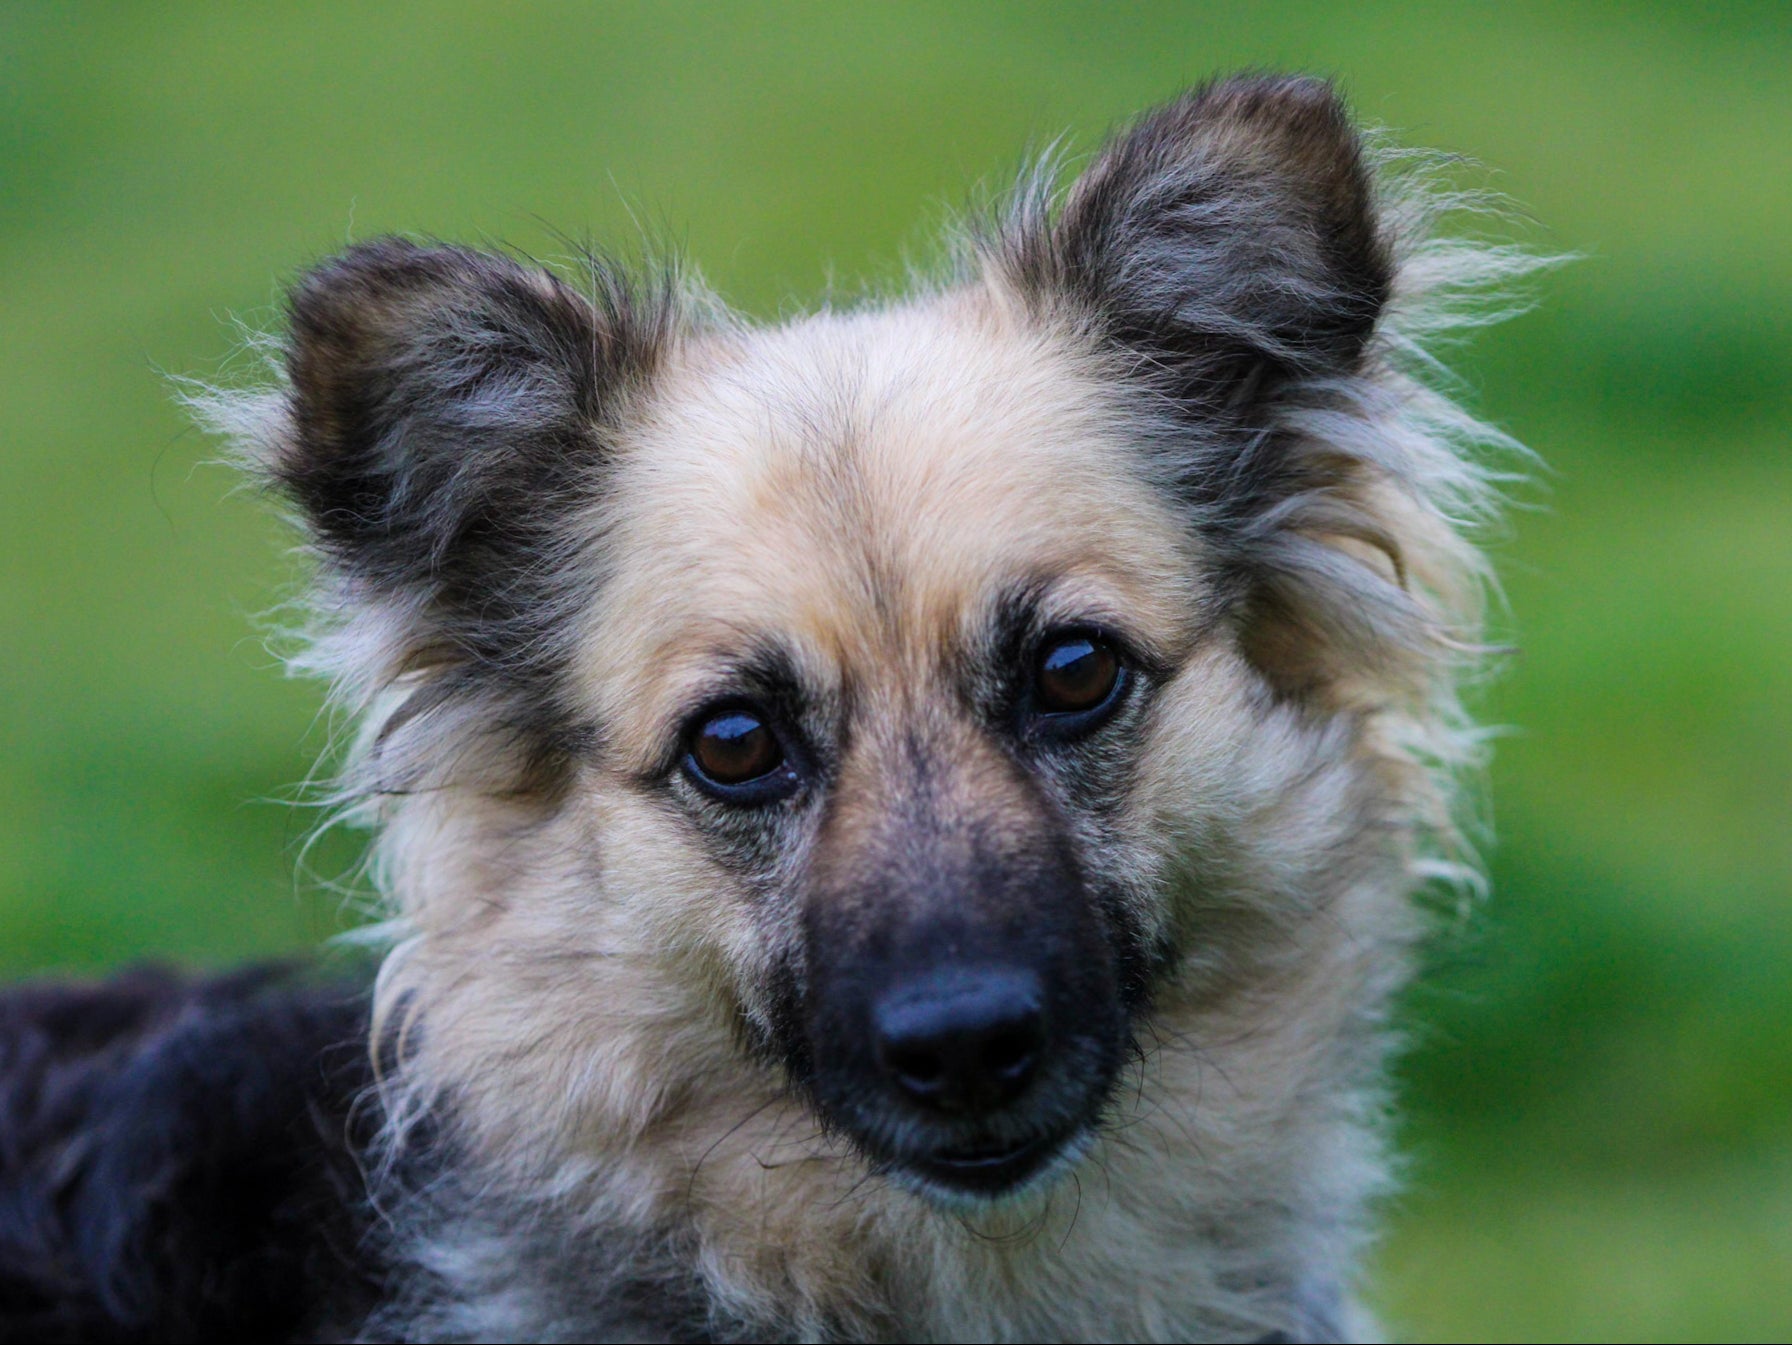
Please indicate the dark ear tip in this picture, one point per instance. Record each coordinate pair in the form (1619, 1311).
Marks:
(357, 308)
(1303, 109)
(384, 270)
(338, 303)
(1270, 93)
(373, 275)
(1295, 129)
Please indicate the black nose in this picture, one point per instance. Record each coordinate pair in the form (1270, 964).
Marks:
(961, 1039)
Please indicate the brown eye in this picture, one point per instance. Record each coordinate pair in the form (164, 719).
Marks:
(734, 748)
(1076, 674)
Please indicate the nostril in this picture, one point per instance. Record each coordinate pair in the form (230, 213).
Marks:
(961, 1039)
(920, 1071)
(1010, 1053)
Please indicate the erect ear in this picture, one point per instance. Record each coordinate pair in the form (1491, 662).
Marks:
(1228, 256)
(448, 411)
(1228, 238)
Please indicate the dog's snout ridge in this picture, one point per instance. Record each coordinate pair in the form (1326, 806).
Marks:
(962, 1039)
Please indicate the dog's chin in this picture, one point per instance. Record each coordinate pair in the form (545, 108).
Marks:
(977, 1176)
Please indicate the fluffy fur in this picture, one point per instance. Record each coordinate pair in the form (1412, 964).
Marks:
(621, 1084)
(178, 1160)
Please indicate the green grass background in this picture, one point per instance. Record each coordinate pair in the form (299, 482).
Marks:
(1601, 1083)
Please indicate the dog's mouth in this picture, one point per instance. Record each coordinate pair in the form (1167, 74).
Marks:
(987, 1169)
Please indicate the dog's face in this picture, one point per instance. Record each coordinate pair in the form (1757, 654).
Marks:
(892, 608)
(902, 705)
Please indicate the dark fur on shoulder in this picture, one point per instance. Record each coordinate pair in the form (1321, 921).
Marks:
(175, 1159)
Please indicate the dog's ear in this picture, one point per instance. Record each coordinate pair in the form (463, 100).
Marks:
(447, 409)
(1229, 238)
(1229, 257)
(442, 400)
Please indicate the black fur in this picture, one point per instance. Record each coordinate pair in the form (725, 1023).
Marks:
(446, 402)
(1229, 238)
(177, 1160)
(449, 410)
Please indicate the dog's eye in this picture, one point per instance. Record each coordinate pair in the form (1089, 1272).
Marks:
(736, 755)
(1077, 674)
(734, 747)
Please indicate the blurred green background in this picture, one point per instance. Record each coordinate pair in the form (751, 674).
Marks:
(1601, 1083)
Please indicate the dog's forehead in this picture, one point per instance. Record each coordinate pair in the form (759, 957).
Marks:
(859, 489)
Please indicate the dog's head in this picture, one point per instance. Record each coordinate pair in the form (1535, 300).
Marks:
(913, 705)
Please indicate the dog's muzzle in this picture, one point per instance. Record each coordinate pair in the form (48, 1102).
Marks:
(964, 1044)
(960, 1068)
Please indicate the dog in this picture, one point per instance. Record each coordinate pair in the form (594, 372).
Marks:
(904, 824)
